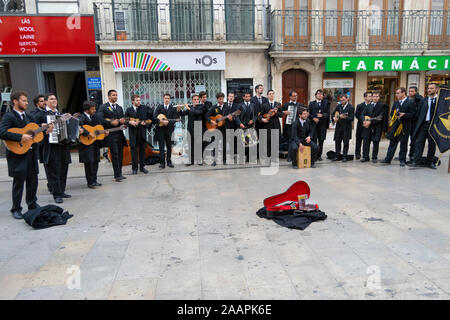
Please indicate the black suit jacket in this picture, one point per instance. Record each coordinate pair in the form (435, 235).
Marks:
(274, 122)
(324, 122)
(171, 114)
(299, 133)
(215, 110)
(196, 113)
(375, 129)
(422, 114)
(233, 107)
(344, 126)
(91, 153)
(106, 112)
(247, 114)
(17, 163)
(143, 113)
(49, 149)
(409, 108)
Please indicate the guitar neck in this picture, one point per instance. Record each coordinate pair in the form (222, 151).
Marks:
(112, 129)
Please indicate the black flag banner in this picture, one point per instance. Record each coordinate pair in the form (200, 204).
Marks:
(440, 125)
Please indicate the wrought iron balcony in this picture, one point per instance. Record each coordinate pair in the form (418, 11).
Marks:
(188, 21)
(316, 30)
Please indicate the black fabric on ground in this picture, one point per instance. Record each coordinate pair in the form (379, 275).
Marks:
(298, 220)
(47, 216)
(151, 160)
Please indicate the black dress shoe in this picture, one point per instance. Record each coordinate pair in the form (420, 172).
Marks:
(65, 195)
(412, 164)
(118, 180)
(358, 157)
(123, 177)
(313, 165)
(294, 166)
(188, 164)
(17, 214)
(320, 159)
(96, 184)
(335, 159)
(134, 172)
(169, 164)
(344, 159)
(143, 170)
(214, 164)
(374, 160)
(162, 166)
(365, 160)
(59, 200)
(384, 161)
(432, 166)
(34, 207)
(91, 186)
(402, 163)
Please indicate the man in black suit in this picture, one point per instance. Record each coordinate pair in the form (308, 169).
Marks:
(137, 131)
(222, 110)
(21, 167)
(55, 156)
(113, 117)
(414, 95)
(164, 130)
(195, 114)
(375, 127)
(271, 122)
(39, 103)
(427, 108)
(89, 155)
(359, 126)
(343, 130)
(302, 133)
(287, 127)
(319, 115)
(246, 119)
(405, 110)
(260, 102)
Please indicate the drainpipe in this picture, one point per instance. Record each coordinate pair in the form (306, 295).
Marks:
(266, 51)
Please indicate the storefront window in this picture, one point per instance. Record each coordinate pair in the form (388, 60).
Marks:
(439, 78)
(5, 85)
(337, 83)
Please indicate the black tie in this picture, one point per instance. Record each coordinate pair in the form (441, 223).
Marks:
(433, 106)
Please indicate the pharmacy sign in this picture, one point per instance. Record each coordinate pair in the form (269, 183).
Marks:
(361, 64)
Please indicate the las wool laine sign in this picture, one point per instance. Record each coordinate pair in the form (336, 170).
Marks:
(337, 64)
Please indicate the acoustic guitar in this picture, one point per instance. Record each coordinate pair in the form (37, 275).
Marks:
(98, 131)
(220, 120)
(162, 116)
(36, 132)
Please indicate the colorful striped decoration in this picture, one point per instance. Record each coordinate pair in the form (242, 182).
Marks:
(138, 61)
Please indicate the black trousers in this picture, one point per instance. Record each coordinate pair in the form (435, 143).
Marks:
(116, 148)
(138, 156)
(57, 170)
(90, 171)
(423, 136)
(359, 140)
(224, 146)
(165, 142)
(403, 140)
(31, 180)
(338, 145)
(314, 151)
(413, 141)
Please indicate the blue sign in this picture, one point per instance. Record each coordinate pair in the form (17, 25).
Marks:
(94, 83)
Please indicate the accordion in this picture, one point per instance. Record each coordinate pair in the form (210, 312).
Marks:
(66, 129)
(293, 112)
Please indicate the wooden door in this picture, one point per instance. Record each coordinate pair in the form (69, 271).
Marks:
(296, 23)
(339, 24)
(386, 24)
(295, 80)
(439, 28)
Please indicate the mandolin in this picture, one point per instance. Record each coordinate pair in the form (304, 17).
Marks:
(33, 130)
(162, 116)
(98, 131)
(271, 113)
(220, 120)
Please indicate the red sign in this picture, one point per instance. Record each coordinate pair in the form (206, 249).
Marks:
(42, 35)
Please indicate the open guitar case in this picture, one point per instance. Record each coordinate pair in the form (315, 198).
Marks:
(284, 208)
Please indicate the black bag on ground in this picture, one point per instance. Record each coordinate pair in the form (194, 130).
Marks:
(47, 216)
(298, 220)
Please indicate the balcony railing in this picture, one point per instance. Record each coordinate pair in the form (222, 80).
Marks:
(150, 21)
(317, 30)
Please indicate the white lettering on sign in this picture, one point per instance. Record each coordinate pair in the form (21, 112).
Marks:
(26, 29)
(1, 21)
(345, 64)
(1, 43)
(432, 64)
(25, 21)
(27, 36)
(414, 65)
(378, 65)
(28, 43)
(397, 65)
(446, 64)
(361, 66)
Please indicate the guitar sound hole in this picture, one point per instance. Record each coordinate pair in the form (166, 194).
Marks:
(31, 133)
(96, 133)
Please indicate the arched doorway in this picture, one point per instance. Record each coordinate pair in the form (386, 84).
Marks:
(295, 79)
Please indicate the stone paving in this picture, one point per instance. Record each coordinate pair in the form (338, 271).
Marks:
(192, 233)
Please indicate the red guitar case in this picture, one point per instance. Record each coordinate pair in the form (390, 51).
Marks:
(272, 203)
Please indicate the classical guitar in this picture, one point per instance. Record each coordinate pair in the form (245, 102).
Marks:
(220, 120)
(162, 116)
(33, 130)
(99, 133)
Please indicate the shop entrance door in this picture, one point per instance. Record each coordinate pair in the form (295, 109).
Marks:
(70, 89)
